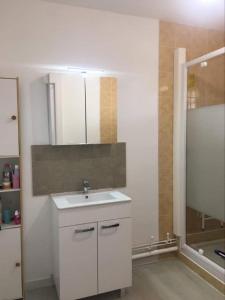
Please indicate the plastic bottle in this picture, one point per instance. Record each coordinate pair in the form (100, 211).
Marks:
(17, 219)
(0, 211)
(7, 177)
(16, 177)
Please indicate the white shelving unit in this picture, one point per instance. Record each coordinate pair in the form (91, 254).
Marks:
(10, 234)
(9, 190)
(9, 226)
(9, 156)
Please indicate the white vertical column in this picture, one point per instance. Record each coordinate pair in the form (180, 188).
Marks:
(179, 142)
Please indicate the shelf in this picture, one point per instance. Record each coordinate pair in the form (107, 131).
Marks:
(9, 190)
(9, 226)
(9, 156)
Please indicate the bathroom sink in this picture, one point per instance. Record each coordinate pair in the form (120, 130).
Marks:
(80, 200)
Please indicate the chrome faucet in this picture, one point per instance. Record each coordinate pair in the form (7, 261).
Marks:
(86, 186)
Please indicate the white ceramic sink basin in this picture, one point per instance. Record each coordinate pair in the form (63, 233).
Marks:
(79, 200)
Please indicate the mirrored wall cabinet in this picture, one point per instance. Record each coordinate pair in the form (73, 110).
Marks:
(82, 109)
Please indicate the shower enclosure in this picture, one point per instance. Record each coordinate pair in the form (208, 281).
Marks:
(199, 164)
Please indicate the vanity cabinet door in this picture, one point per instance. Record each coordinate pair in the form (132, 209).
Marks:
(114, 255)
(8, 118)
(78, 261)
(10, 264)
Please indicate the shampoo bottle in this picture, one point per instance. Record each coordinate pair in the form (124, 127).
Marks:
(0, 211)
(16, 177)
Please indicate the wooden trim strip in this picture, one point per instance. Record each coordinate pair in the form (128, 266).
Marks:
(202, 273)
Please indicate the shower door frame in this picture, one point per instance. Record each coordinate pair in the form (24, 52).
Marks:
(179, 158)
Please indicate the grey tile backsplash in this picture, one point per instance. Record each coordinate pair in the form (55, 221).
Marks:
(59, 169)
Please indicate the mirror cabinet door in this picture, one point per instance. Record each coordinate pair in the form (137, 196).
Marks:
(93, 109)
(67, 109)
(82, 110)
(101, 99)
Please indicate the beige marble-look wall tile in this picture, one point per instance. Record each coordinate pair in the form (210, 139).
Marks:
(166, 60)
(167, 34)
(182, 36)
(165, 204)
(216, 40)
(165, 225)
(108, 110)
(166, 84)
(194, 222)
(199, 41)
(165, 165)
(208, 83)
(205, 236)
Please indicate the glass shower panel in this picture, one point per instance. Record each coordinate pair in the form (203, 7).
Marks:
(205, 172)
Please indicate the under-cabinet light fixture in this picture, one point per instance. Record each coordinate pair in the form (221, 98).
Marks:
(83, 70)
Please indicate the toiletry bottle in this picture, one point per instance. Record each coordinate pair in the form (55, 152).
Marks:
(0, 210)
(16, 177)
(7, 216)
(16, 218)
(6, 177)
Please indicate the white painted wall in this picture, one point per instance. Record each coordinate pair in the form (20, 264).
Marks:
(38, 33)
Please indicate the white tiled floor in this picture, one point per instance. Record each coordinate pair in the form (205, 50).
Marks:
(164, 280)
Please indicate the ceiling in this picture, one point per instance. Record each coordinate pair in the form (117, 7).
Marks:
(203, 13)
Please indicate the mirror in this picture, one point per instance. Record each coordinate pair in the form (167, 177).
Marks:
(82, 109)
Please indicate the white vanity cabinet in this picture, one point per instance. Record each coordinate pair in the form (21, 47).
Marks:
(10, 264)
(8, 118)
(92, 249)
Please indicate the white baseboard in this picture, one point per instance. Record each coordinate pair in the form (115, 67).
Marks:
(38, 283)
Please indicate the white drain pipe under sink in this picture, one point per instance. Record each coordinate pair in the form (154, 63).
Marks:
(154, 252)
(169, 245)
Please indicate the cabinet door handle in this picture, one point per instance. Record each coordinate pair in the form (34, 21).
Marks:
(17, 265)
(13, 117)
(84, 230)
(110, 226)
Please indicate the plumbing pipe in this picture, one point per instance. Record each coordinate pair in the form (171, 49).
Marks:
(155, 252)
(157, 244)
(164, 243)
